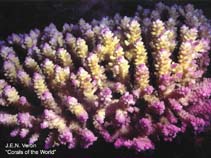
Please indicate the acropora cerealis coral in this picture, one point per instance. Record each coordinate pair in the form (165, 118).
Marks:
(129, 80)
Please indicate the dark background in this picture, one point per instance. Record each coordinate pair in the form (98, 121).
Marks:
(21, 16)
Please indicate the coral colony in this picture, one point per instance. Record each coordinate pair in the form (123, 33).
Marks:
(132, 81)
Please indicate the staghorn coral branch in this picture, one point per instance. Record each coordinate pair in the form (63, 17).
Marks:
(130, 80)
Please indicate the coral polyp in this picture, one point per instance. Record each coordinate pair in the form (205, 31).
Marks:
(132, 81)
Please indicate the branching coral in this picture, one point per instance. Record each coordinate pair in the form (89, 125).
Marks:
(130, 80)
